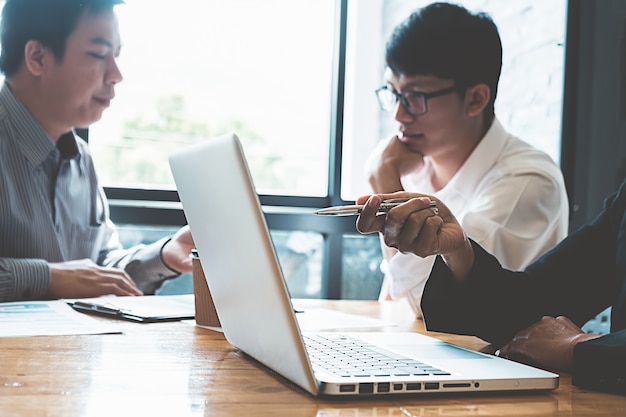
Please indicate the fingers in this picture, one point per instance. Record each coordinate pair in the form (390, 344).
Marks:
(362, 199)
(390, 196)
(566, 323)
(406, 227)
(78, 279)
(518, 350)
(114, 288)
(419, 233)
(121, 284)
(514, 347)
(548, 342)
(518, 345)
(413, 227)
(369, 221)
(427, 242)
(115, 280)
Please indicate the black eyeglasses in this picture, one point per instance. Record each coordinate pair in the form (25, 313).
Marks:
(414, 102)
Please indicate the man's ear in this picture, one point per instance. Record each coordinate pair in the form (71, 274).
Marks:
(477, 97)
(35, 57)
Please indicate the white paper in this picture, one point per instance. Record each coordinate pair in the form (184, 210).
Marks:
(147, 305)
(47, 318)
(320, 319)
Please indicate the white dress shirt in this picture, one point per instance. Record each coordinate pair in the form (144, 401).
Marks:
(508, 196)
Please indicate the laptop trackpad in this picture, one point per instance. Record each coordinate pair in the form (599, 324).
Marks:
(419, 346)
(436, 352)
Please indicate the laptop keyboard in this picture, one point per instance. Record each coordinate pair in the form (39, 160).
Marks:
(348, 357)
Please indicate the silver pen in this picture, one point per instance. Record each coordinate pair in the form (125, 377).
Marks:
(354, 210)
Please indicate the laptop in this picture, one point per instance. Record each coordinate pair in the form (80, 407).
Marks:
(257, 316)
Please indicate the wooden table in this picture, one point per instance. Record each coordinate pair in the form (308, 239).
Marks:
(178, 369)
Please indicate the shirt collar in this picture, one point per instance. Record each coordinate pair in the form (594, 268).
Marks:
(67, 145)
(33, 140)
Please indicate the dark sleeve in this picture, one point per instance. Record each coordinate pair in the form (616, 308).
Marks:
(600, 364)
(482, 305)
(577, 279)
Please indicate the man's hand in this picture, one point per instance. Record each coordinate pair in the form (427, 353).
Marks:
(176, 253)
(416, 228)
(549, 343)
(83, 278)
(395, 161)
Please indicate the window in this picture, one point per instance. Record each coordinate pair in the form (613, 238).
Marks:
(295, 80)
(196, 69)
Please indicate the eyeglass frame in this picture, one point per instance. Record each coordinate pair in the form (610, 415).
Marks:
(402, 98)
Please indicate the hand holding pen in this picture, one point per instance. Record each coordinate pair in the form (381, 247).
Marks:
(413, 223)
(413, 207)
(415, 226)
(354, 210)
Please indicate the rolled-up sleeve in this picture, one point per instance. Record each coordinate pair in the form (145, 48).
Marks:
(144, 264)
(23, 279)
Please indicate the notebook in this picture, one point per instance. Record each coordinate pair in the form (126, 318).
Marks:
(254, 306)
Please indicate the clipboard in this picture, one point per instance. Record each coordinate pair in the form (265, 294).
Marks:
(140, 309)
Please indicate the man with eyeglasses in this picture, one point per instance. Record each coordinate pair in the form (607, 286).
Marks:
(443, 66)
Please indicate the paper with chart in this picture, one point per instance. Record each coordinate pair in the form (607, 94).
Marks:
(48, 318)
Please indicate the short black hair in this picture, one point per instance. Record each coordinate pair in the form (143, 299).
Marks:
(49, 22)
(448, 41)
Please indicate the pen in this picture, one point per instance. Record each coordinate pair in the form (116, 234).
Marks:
(354, 210)
(97, 308)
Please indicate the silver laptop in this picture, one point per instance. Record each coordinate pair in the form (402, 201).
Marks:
(257, 316)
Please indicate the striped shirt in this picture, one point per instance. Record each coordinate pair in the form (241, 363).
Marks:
(53, 210)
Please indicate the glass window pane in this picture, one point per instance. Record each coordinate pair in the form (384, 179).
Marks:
(300, 257)
(530, 92)
(361, 277)
(194, 69)
(299, 254)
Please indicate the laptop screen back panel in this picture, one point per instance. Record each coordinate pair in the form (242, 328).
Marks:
(235, 250)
